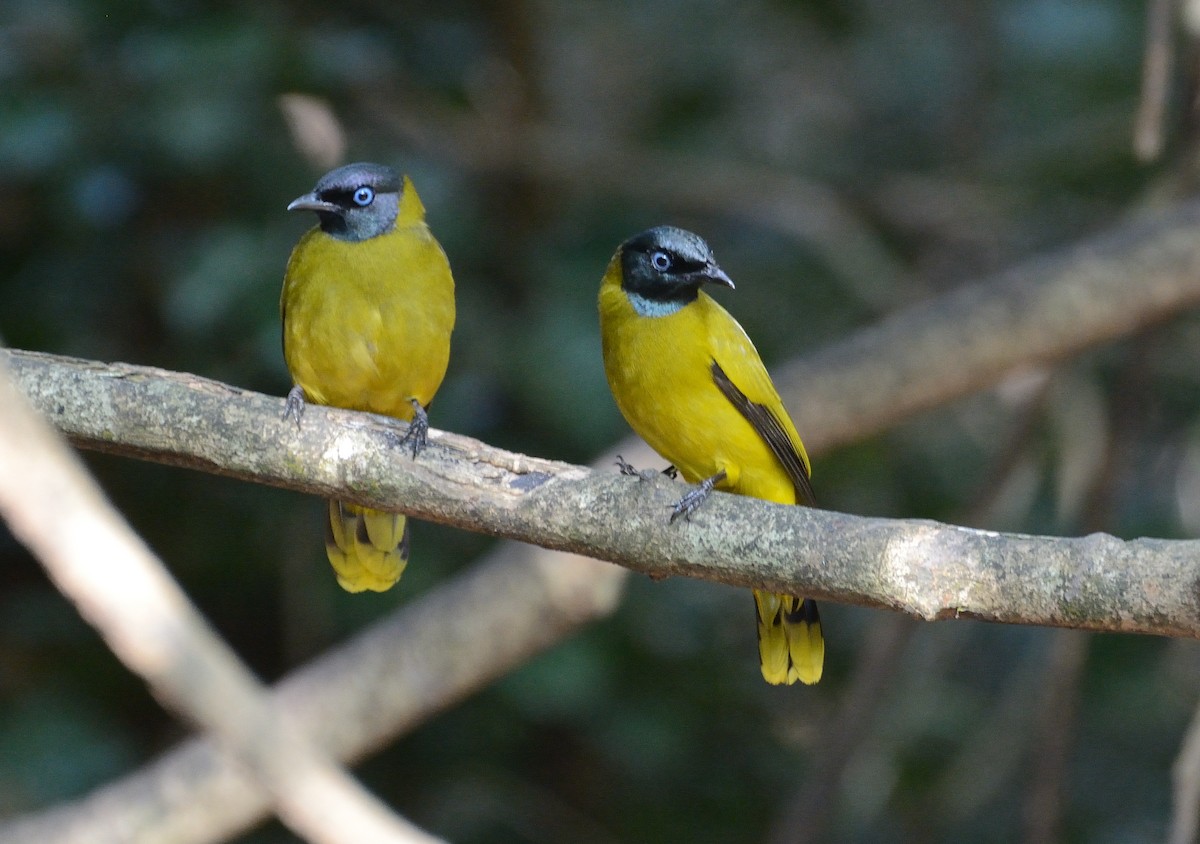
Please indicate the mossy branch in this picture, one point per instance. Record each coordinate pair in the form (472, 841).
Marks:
(926, 569)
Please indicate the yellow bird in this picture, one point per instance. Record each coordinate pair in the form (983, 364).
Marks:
(367, 309)
(691, 384)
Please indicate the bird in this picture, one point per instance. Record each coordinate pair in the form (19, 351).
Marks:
(689, 381)
(367, 309)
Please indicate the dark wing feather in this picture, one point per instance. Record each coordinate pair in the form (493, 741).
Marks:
(767, 425)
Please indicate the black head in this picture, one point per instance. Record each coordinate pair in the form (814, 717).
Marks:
(666, 264)
(355, 202)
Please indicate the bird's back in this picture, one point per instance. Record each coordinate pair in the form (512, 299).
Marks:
(661, 372)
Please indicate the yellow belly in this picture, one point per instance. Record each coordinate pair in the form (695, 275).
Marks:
(367, 325)
(660, 371)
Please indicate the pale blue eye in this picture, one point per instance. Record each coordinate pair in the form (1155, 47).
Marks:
(661, 261)
(364, 196)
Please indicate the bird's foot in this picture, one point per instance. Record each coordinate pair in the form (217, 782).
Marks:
(626, 467)
(691, 502)
(645, 474)
(293, 406)
(417, 435)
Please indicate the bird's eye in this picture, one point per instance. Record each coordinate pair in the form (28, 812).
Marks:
(364, 196)
(661, 261)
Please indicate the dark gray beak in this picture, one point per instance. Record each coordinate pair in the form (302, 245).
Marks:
(311, 202)
(716, 275)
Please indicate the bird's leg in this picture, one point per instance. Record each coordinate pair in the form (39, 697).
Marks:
(692, 501)
(671, 472)
(645, 474)
(417, 436)
(294, 405)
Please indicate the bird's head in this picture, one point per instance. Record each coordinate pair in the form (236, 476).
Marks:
(668, 265)
(355, 202)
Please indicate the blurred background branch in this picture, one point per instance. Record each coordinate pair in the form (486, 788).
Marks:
(1028, 317)
(1150, 126)
(51, 503)
(352, 700)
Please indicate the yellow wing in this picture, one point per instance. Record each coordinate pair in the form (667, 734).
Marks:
(777, 432)
(791, 646)
(738, 372)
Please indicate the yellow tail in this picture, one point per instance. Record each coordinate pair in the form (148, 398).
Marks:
(790, 646)
(367, 548)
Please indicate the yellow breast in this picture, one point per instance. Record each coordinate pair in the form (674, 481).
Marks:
(660, 372)
(367, 324)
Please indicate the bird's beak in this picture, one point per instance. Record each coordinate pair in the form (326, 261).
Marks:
(311, 202)
(715, 275)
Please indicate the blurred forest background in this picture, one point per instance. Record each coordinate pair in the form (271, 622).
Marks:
(844, 159)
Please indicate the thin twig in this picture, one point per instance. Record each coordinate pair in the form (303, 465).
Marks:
(1053, 737)
(1185, 777)
(1156, 76)
(808, 813)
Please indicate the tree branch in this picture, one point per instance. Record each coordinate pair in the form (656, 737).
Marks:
(923, 568)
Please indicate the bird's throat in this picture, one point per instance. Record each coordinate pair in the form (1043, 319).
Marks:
(655, 307)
